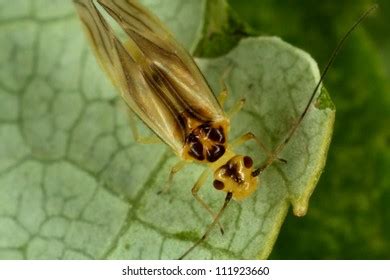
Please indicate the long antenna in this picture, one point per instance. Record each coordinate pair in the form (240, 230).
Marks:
(277, 150)
(280, 147)
(210, 227)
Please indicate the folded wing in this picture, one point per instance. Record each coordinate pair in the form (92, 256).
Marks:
(157, 78)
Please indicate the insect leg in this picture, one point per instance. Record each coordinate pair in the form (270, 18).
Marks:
(272, 156)
(195, 189)
(236, 108)
(250, 136)
(153, 139)
(222, 96)
(224, 92)
(176, 168)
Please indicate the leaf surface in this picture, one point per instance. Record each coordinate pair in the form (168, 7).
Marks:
(73, 183)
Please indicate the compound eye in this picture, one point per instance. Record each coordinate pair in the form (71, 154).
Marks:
(219, 185)
(248, 162)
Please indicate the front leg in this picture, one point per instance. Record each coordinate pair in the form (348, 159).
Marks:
(200, 183)
(176, 168)
(250, 136)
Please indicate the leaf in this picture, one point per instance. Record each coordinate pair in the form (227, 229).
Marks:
(350, 210)
(73, 184)
(222, 30)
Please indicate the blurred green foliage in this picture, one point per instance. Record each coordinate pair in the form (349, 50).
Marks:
(350, 209)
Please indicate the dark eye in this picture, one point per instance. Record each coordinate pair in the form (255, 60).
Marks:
(248, 162)
(218, 184)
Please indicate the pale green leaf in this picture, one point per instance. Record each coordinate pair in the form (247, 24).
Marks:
(74, 184)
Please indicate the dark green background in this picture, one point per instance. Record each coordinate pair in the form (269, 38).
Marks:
(349, 215)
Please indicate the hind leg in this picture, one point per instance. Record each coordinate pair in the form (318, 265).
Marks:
(153, 139)
(223, 95)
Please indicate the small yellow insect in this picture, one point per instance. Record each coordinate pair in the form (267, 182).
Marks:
(161, 83)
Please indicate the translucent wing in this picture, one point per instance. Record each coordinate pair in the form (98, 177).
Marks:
(157, 78)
